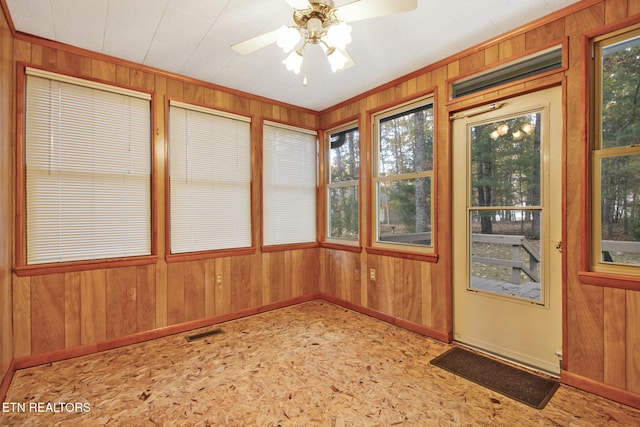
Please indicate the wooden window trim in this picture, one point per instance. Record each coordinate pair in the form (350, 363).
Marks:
(21, 268)
(217, 253)
(351, 245)
(413, 252)
(613, 277)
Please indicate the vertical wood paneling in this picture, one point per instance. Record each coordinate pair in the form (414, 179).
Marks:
(210, 287)
(93, 311)
(103, 70)
(56, 311)
(47, 311)
(615, 10)
(633, 341)
(74, 64)
(551, 32)
(6, 196)
(615, 361)
(162, 294)
(223, 290)
(471, 62)
(21, 316)
(145, 298)
(411, 308)
(72, 304)
(584, 307)
(194, 290)
(305, 272)
(514, 46)
(241, 285)
(121, 302)
(428, 302)
(175, 293)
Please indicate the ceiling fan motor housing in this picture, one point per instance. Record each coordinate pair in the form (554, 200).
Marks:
(318, 17)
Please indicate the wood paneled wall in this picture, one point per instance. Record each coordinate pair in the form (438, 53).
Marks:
(602, 325)
(63, 310)
(6, 194)
(59, 311)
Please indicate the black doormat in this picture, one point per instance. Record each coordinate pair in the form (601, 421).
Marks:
(520, 385)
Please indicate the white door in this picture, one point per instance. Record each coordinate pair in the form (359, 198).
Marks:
(507, 227)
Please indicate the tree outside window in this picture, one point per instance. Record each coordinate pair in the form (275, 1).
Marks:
(343, 184)
(403, 176)
(616, 157)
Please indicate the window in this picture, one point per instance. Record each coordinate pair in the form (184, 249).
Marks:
(289, 185)
(209, 179)
(403, 176)
(343, 175)
(87, 155)
(616, 154)
(531, 65)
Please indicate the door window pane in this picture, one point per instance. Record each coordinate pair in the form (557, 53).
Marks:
(505, 162)
(505, 256)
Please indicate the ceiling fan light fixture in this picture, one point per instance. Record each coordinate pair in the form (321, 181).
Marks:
(293, 62)
(288, 38)
(339, 35)
(337, 60)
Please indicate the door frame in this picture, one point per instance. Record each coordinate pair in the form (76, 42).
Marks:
(487, 106)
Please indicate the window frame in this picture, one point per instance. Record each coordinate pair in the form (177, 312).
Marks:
(208, 253)
(328, 240)
(281, 246)
(594, 271)
(22, 267)
(403, 250)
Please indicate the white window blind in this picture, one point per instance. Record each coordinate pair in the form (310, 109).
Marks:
(289, 185)
(210, 179)
(88, 171)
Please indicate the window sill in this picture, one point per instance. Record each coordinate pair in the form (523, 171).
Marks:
(341, 247)
(609, 280)
(416, 256)
(66, 267)
(194, 256)
(290, 247)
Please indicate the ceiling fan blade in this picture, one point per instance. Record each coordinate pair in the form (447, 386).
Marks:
(255, 43)
(366, 9)
(298, 4)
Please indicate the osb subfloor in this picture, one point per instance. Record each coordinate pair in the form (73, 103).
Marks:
(310, 364)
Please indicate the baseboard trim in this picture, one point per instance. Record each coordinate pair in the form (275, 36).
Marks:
(568, 378)
(604, 390)
(405, 324)
(6, 381)
(68, 353)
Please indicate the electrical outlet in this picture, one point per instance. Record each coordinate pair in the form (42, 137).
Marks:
(372, 274)
(218, 278)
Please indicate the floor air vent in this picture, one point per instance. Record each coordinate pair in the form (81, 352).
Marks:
(205, 334)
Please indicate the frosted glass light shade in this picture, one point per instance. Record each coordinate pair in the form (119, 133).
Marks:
(288, 38)
(339, 35)
(293, 62)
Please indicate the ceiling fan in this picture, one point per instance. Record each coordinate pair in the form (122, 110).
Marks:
(321, 23)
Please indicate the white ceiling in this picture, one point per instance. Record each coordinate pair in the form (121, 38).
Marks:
(193, 38)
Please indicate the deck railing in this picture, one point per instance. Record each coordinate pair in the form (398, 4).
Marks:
(518, 265)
